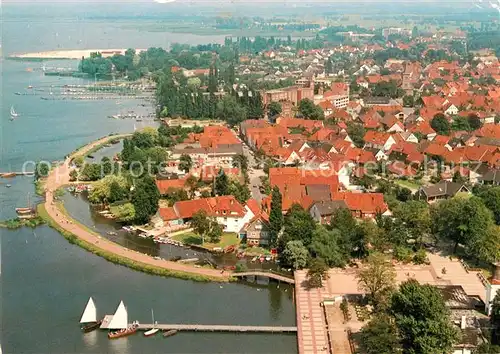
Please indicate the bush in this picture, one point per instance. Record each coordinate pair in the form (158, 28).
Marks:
(420, 257)
(344, 307)
(403, 254)
(241, 267)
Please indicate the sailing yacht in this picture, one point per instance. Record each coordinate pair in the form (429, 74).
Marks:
(119, 322)
(89, 321)
(153, 330)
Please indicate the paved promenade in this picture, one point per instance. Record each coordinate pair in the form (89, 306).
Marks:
(59, 177)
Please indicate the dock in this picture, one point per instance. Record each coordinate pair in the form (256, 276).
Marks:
(219, 328)
(265, 274)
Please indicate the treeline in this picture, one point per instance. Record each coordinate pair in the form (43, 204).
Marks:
(182, 97)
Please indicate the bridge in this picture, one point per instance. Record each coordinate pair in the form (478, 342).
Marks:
(218, 328)
(268, 274)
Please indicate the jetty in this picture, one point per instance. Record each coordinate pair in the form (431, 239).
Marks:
(219, 328)
(266, 274)
(16, 173)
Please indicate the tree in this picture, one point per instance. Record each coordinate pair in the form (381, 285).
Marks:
(124, 212)
(415, 215)
(214, 232)
(309, 110)
(408, 101)
(91, 172)
(449, 223)
(325, 245)
(221, 185)
(73, 175)
(377, 279)
(343, 221)
(145, 199)
(440, 124)
(109, 189)
(42, 170)
(486, 247)
(422, 319)
(379, 336)
(275, 216)
(298, 225)
(200, 223)
(274, 109)
(229, 110)
(317, 272)
(491, 198)
(240, 161)
(295, 254)
(474, 121)
(414, 32)
(495, 318)
(117, 192)
(185, 163)
(357, 133)
(240, 191)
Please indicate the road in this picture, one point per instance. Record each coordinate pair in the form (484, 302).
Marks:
(253, 173)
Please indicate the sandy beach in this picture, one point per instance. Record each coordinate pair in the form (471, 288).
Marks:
(70, 54)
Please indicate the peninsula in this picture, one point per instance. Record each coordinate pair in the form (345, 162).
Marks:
(70, 54)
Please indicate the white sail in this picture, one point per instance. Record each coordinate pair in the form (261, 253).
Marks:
(120, 318)
(12, 111)
(90, 312)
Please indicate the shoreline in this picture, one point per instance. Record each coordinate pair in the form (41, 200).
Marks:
(70, 54)
(76, 234)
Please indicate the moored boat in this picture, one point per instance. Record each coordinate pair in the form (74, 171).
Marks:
(170, 333)
(154, 330)
(89, 320)
(119, 322)
(8, 174)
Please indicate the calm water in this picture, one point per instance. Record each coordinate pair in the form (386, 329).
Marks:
(45, 281)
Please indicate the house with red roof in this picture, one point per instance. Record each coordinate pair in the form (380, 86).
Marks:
(256, 231)
(165, 186)
(378, 140)
(225, 209)
(363, 205)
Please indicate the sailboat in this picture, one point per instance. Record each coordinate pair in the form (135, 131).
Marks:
(13, 112)
(120, 323)
(89, 318)
(153, 330)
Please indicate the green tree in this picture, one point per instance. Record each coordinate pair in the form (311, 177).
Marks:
(229, 110)
(274, 109)
(91, 172)
(117, 192)
(491, 198)
(317, 272)
(221, 185)
(486, 247)
(474, 121)
(309, 110)
(415, 215)
(298, 225)
(240, 191)
(73, 175)
(295, 254)
(214, 232)
(448, 222)
(200, 223)
(275, 216)
(185, 163)
(422, 319)
(124, 212)
(106, 166)
(240, 161)
(357, 133)
(145, 199)
(377, 279)
(495, 318)
(325, 245)
(440, 124)
(380, 336)
(408, 101)
(42, 170)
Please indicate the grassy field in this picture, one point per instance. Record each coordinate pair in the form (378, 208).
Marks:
(227, 239)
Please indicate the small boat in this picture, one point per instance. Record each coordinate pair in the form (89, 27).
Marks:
(170, 333)
(153, 330)
(89, 318)
(18, 93)
(123, 332)
(8, 174)
(13, 112)
(8, 185)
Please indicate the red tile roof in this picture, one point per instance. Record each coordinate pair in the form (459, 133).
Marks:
(367, 203)
(164, 185)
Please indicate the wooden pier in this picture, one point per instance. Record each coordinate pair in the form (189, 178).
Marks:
(219, 328)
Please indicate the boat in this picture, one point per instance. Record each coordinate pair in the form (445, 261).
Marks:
(119, 322)
(8, 185)
(153, 330)
(89, 321)
(13, 112)
(170, 332)
(8, 174)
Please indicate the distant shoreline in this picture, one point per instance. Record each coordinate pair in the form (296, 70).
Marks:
(75, 54)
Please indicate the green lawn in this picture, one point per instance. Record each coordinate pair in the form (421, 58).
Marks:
(227, 239)
(407, 184)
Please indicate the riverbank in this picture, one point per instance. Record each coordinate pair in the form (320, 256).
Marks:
(17, 223)
(55, 215)
(76, 54)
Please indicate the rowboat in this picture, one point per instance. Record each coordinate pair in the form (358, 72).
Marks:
(119, 322)
(170, 333)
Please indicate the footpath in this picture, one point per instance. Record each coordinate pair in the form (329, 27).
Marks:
(59, 177)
